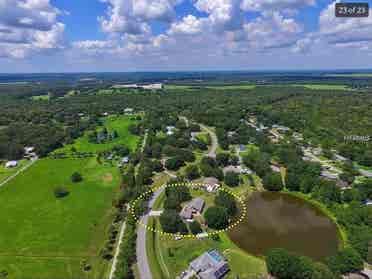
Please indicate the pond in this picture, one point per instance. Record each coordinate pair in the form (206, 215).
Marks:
(278, 220)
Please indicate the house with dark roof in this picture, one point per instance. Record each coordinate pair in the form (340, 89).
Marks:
(210, 265)
(196, 206)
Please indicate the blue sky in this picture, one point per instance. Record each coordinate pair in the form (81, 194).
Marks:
(150, 35)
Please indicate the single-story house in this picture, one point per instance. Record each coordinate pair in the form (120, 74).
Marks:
(29, 149)
(195, 206)
(231, 134)
(128, 111)
(210, 265)
(211, 184)
(170, 130)
(275, 168)
(237, 169)
(340, 158)
(365, 173)
(11, 164)
(329, 175)
(186, 213)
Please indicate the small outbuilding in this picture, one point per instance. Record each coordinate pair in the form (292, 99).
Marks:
(211, 184)
(11, 164)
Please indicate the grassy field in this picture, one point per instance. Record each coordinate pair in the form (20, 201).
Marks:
(6, 172)
(233, 87)
(40, 98)
(169, 257)
(45, 237)
(324, 86)
(118, 123)
(351, 75)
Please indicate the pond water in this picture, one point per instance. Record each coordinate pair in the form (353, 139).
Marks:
(277, 220)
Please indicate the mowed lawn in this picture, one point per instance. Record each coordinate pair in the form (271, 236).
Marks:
(169, 257)
(6, 172)
(117, 123)
(45, 237)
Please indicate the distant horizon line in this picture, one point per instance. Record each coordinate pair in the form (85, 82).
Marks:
(195, 71)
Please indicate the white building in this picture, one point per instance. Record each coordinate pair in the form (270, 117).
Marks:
(11, 164)
(128, 111)
(170, 130)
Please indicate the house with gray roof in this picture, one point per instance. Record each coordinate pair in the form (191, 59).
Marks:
(195, 206)
(211, 184)
(210, 265)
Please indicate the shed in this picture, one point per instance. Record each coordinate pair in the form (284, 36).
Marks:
(11, 164)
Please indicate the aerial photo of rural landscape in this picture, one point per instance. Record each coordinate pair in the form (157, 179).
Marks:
(185, 139)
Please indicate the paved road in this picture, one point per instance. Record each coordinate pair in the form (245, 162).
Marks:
(18, 172)
(214, 144)
(144, 142)
(142, 261)
(117, 252)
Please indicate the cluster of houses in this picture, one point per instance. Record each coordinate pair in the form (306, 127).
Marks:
(210, 265)
(29, 154)
(151, 86)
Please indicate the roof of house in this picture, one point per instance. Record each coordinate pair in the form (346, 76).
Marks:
(197, 204)
(329, 175)
(186, 212)
(231, 169)
(210, 265)
(11, 164)
(211, 181)
(365, 173)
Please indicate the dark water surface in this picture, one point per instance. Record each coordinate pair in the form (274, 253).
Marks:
(279, 220)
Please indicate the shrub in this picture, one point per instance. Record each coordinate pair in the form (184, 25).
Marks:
(61, 192)
(232, 179)
(217, 217)
(195, 227)
(76, 177)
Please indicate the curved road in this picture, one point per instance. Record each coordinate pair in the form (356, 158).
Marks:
(214, 143)
(142, 262)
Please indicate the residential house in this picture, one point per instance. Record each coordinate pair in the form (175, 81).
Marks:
(237, 169)
(11, 164)
(340, 158)
(170, 130)
(128, 111)
(275, 168)
(329, 175)
(211, 184)
(210, 265)
(365, 173)
(196, 206)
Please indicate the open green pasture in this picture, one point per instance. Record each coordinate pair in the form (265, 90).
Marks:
(45, 237)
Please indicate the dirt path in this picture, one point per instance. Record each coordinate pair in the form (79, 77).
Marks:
(117, 252)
